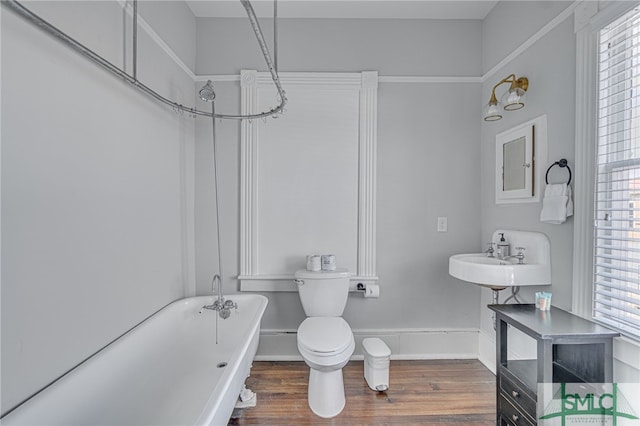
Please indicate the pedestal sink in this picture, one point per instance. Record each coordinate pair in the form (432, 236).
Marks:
(498, 274)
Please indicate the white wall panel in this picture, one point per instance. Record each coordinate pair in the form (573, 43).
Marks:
(308, 162)
(308, 177)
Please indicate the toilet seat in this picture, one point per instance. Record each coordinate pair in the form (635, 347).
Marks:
(324, 336)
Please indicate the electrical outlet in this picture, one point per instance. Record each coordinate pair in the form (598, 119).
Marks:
(442, 224)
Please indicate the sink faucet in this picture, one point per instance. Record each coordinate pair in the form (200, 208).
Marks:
(489, 252)
(222, 306)
(519, 255)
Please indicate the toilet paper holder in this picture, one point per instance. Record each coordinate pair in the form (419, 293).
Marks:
(371, 291)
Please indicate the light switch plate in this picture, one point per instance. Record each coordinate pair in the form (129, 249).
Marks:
(442, 224)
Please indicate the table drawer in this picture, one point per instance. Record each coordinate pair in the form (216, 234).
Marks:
(517, 396)
(511, 415)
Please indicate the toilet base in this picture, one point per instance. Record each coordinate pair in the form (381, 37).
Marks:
(326, 392)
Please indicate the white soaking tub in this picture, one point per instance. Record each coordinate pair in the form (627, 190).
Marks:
(168, 370)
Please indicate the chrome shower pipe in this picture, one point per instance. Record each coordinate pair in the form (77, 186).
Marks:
(265, 51)
(134, 37)
(45, 26)
(275, 34)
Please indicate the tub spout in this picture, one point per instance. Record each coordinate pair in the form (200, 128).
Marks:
(223, 307)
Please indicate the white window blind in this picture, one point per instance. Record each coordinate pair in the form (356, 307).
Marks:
(617, 191)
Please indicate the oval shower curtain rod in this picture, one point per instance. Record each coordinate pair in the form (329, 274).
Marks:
(25, 13)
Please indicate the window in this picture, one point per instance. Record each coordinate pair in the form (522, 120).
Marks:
(616, 270)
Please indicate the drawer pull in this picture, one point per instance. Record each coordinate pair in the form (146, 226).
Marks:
(515, 393)
(515, 417)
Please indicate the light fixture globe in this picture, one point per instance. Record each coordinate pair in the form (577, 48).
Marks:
(513, 99)
(492, 111)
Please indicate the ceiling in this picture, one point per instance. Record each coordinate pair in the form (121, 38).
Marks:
(368, 9)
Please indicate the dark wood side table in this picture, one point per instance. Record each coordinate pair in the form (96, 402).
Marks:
(570, 349)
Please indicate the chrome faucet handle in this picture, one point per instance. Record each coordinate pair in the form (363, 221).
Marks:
(222, 306)
(490, 250)
(520, 255)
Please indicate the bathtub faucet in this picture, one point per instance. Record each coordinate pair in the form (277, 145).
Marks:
(222, 306)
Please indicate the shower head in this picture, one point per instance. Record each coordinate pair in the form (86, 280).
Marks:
(206, 93)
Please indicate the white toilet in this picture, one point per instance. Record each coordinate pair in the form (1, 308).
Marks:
(325, 340)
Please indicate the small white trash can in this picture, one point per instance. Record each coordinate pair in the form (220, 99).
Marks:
(376, 363)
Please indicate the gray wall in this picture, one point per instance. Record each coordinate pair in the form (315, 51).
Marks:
(175, 24)
(428, 150)
(511, 23)
(550, 66)
(95, 198)
(542, 63)
(391, 47)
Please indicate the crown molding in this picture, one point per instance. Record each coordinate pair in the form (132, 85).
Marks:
(560, 18)
(127, 7)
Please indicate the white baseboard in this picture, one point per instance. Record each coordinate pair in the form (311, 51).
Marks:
(407, 344)
(412, 344)
(518, 348)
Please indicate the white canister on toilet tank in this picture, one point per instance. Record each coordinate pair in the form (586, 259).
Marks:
(328, 262)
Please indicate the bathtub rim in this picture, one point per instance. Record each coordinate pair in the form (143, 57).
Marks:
(211, 408)
(190, 300)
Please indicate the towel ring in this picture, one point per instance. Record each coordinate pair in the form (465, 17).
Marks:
(560, 163)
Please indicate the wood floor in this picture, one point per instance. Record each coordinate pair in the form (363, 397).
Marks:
(434, 392)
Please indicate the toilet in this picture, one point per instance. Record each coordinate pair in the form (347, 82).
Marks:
(325, 340)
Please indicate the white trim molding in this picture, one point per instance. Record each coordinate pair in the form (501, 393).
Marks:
(405, 344)
(560, 18)
(284, 282)
(367, 175)
(626, 352)
(429, 79)
(585, 131)
(249, 178)
(391, 79)
(581, 8)
(365, 84)
(585, 149)
(128, 7)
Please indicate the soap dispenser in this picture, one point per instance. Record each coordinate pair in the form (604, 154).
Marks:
(503, 247)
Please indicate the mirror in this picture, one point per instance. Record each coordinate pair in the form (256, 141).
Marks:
(517, 166)
(514, 164)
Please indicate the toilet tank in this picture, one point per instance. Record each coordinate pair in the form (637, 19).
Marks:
(323, 293)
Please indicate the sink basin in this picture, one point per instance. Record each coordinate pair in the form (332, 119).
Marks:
(497, 274)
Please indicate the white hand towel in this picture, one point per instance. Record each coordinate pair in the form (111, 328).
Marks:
(557, 203)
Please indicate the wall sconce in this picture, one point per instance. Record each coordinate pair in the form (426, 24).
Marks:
(512, 100)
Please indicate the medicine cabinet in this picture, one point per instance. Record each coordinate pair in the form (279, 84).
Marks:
(521, 153)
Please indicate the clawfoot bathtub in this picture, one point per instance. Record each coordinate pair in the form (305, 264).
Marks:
(178, 367)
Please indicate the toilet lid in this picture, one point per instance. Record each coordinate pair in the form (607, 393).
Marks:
(324, 334)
